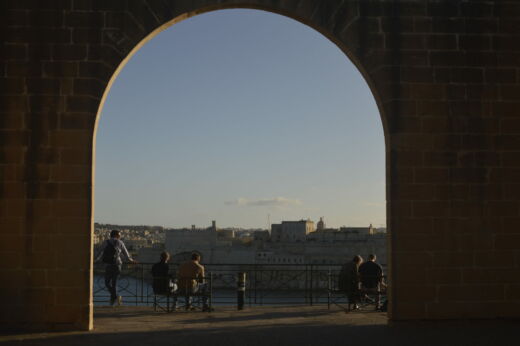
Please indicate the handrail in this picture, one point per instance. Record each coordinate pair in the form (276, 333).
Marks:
(267, 284)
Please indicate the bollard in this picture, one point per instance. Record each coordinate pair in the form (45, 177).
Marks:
(241, 290)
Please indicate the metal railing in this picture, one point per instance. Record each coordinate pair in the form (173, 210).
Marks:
(266, 284)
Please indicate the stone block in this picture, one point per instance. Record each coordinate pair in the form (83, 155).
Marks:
(50, 86)
(475, 293)
(417, 75)
(476, 9)
(60, 69)
(12, 242)
(39, 296)
(70, 139)
(450, 259)
(74, 225)
(467, 75)
(415, 192)
(10, 260)
(73, 156)
(430, 209)
(84, 19)
(431, 175)
(419, 293)
(441, 42)
(82, 104)
(45, 18)
(439, 276)
(74, 190)
(70, 173)
(71, 208)
(402, 311)
(63, 314)
(507, 241)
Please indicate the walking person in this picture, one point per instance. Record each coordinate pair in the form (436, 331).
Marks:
(111, 256)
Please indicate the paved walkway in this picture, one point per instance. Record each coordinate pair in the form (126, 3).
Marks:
(129, 326)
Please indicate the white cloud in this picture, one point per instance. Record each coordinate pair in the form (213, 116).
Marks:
(268, 202)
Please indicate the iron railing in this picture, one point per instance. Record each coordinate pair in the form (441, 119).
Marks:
(266, 284)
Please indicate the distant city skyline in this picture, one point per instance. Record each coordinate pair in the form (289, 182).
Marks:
(240, 116)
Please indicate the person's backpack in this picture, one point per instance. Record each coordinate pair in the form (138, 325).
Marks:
(109, 253)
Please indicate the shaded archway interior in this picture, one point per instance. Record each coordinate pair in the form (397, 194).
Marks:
(446, 91)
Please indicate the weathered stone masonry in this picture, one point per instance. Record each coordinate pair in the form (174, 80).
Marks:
(446, 78)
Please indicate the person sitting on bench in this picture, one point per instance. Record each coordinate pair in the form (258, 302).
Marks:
(371, 274)
(191, 281)
(348, 281)
(161, 283)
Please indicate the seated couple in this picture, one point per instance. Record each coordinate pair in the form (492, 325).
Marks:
(360, 279)
(189, 281)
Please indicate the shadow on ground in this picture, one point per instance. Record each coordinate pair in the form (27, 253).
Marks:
(271, 327)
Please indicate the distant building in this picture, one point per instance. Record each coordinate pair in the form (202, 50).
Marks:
(291, 231)
(202, 240)
(358, 230)
(321, 225)
(289, 243)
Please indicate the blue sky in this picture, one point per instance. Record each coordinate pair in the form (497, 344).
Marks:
(239, 116)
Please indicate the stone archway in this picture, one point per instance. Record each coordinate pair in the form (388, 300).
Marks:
(444, 75)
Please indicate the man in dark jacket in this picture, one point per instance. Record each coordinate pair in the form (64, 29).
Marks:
(160, 274)
(371, 274)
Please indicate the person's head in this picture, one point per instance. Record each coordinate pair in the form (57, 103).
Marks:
(165, 256)
(115, 234)
(357, 259)
(195, 257)
(372, 257)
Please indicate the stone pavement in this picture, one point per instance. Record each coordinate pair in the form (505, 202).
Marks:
(129, 326)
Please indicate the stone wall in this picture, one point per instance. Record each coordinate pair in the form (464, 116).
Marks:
(445, 75)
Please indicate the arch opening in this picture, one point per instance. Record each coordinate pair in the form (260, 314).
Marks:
(177, 20)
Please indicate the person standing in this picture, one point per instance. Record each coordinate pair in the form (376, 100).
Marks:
(111, 256)
(371, 276)
(348, 281)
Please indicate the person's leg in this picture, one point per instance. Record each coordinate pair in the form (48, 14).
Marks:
(173, 293)
(109, 274)
(378, 297)
(117, 271)
(352, 300)
(356, 298)
(203, 290)
(189, 295)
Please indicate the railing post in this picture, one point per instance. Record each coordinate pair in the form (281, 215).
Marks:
(241, 290)
(142, 283)
(329, 287)
(311, 286)
(210, 291)
(255, 283)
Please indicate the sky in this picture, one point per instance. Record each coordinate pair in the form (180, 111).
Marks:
(244, 117)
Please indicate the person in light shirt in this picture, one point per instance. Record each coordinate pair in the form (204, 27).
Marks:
(111, 255)
(190, 280)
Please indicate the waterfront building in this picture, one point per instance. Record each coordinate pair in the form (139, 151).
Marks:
(290, 242)
(291, 231)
